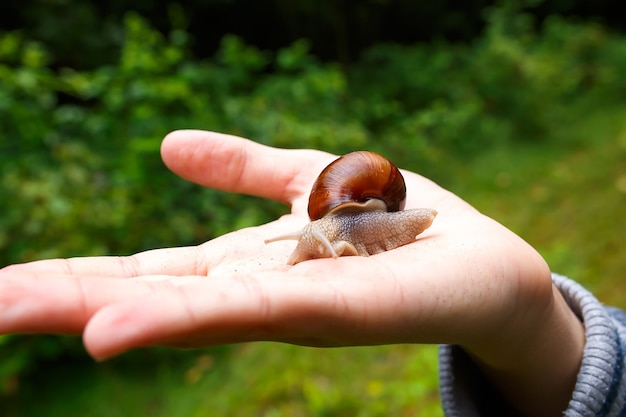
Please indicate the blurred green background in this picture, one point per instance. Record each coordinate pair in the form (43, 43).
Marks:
(517, 106)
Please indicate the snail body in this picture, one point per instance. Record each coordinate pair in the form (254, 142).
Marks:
(354, 209)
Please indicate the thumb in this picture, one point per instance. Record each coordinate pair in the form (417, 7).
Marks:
(234, 164)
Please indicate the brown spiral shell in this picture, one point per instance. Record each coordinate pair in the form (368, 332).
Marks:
(352, 180)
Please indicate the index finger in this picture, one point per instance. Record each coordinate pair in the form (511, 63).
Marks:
(170, 261)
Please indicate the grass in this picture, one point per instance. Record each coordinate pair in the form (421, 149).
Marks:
(566, 197)
(263, 379)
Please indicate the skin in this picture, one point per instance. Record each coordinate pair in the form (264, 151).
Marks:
(467, 281)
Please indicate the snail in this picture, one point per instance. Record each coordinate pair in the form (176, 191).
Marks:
(355, 207)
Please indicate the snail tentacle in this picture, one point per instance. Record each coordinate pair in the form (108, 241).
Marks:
(287, 236)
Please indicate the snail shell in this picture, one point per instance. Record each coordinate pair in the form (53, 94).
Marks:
(357, 181)
(354, 207)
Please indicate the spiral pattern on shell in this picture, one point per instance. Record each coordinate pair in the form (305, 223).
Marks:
(352, 180)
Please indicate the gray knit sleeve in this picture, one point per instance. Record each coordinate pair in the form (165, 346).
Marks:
(601, 385)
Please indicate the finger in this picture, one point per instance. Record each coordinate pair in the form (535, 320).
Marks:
(208, 313)
(56, 303)
(170, 261)
(239, 165)
(280, 306)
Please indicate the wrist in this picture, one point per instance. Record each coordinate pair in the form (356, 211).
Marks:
(534, 358)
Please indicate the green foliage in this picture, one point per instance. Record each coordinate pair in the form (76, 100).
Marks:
(513, 85)
(81, 171)
(263, 379)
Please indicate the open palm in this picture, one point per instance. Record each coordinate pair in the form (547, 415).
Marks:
(461, 281)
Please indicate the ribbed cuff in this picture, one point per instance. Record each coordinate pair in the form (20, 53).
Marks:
(600, 387)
